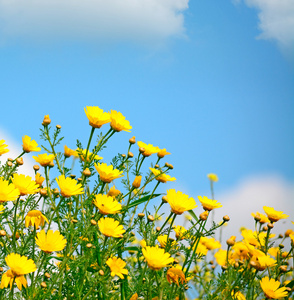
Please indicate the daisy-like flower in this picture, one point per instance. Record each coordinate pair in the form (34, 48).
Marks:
(209, 204)
(35, 218)
(271, 288)
(8, 191)
(52, 241)
(107, 173)
(162, 153)
(69, 187)
(113, 192)
(148, 149)
(263, 218)
(156, 257)
(25, 184)
(273, 214)
(19, 266)
(110, 227)
(174, 275)
(210, 243)
(179, 202)
(82, 154)
(201, 249)
(212, 177)
(29, 145)
(116, 266)
(238, 296)
(39, 179)
(162, 239)
(69, 152)
(180, 232)
(96, 116)
(118, 122)
(106, 204)
(44, 159)
(161, 177)
(221, 257)
(2, 147)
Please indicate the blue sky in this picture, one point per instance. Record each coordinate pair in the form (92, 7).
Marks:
(211, 81)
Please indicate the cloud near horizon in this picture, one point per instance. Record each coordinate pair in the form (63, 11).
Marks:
(135, 20)
(276, 21)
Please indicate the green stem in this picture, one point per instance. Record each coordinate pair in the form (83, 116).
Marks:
(151, 196)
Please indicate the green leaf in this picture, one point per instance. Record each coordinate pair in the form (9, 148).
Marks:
(140, 201)
(191, 212)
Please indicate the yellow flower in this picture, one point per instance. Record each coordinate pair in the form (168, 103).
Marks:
(161, 177)
(69, 152)
(46, 120)
(118, 122)
(221, 257)
(8, 191)
(106, 204)
(96, 116)
(19, 266)
(39, 179)
(53, 241)
(82, 154)
(212, 177)
(209, 204)
(35, 218)
(271, 288)
(134, 297)
(107, 173)
(113, 192)
(29, 145)
(1, 208)
(110, 227)
(238, 296)
(201, 249)
(210, 243)
(143, 243)
(44, 159)
(156, 257)
(180, 202)
(273, 251)
(69, 187)
(137, 182)
(2, 147)
(148, 149)
(116, 266)
(162, 239)
(263, 218)
(274, 215)
(174, 274)
(162, 152)
(25, 184)
(180, 232)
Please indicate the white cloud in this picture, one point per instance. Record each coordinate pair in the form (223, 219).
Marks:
(250, 195)
(276, 21)
(137, 20)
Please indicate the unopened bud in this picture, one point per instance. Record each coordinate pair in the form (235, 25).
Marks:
(150, 218)
(156, 166)
(288, 232)
(226, 218)
(10, 159)
(257, 218)
(283, 268)
(281, 246)
(87, 172)
(265, 228)
(157, 228)
(123, 155)
(79, 179)
(46, 120)
(55, 191)
(89, 245)
(1, 269)
(51, 165)
(101, 272)
(74, 221)
(72, 176)
(142, 150)
(93, 222)
(47, 275)
(36, 167)
(19, 161)
(132, 140)
(43, 285)
(137, 182)
(141, 215)
(2, 232)
(224, 268)
(43, 192)
(270, 225)
(130, 154)
(58, 126)
(236, 265)
(231, 241)
(203, 216)
(9, 164)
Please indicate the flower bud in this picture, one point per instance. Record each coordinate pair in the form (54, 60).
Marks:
(19, 161)
(150, 218)
(101, 272)
(203, 216)
(36, 167)
(56, 191)
(43, 285)
(93, 222)
(9, 164)
(123, 155)
(283, 269)
(270, 225)
(46, 121)
(89, 245)
(51, 165)
(10, 159)
(265, 228)
(87, 172)
(74, 221)
(43, 192)
(157, 228)
(72, 176)
(1, 269)
(58, 126)
(156, 166)
(79, 179)
(137, 182)
(2, 232)
(47, 275)
(226, 218)
(257, 217)
(130, 154)
(141, 215)
(164, 199)
(231, 241)
(288, 232)
(132, 140)
(281, 246)
(142, 150)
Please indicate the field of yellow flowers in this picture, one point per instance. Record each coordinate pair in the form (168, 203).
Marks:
(77, 236)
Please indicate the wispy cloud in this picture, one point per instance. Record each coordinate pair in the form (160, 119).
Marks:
(136, 20)
(276, 21)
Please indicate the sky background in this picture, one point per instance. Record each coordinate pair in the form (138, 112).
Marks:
(211, 81)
